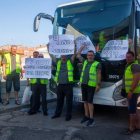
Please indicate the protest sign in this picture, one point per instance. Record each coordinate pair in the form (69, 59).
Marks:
(89, 46)
(61, 44)
(115, 50)
(38, 67)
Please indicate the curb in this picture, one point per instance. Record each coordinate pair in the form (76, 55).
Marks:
(22, 106)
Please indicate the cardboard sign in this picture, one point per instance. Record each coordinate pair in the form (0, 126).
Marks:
(61, 44)
(89, 46)
(115, 50)
(38, 68)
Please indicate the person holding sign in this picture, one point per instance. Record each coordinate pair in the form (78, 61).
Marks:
(35, 55)
(64, 78)
(11, 73)
(38, 87)
(91, 80)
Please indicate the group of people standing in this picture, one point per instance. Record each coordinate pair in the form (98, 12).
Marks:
(90, 84)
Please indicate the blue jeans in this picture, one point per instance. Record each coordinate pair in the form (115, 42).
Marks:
(132, 104)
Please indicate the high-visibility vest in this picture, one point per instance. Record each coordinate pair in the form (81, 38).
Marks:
(8, 63)
(69, 68)
(102, 40)
(122, 38)
(42, 81)
(129, 79)
(93, 77)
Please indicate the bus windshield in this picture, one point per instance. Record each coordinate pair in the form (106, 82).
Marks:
(89, 18)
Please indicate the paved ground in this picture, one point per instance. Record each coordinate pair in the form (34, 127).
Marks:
(109, 122)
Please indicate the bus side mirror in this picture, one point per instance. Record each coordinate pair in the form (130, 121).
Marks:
(138, 19)
(38, 18)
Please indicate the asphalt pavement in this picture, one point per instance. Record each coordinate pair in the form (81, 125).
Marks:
(109, 122)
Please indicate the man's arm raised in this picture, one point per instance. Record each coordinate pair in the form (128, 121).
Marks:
(53, 58)
(79, 53)
(131, 45)
(74, 55)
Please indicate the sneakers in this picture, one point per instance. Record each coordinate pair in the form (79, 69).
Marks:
(86, 119)
(90, 122)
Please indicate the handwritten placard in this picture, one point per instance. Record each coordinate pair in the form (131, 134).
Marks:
(89, 46)
(61, 44)
(38, 67)
(115, 50)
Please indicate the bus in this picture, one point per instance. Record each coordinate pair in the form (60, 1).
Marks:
(117, 19)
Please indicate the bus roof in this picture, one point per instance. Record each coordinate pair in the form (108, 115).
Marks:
(81, 1)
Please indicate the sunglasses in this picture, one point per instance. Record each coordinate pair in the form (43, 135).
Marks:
(40, 56)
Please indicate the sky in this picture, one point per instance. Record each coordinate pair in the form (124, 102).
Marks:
(17, 17)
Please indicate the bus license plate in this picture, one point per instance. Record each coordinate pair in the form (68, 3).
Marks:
(77, 99)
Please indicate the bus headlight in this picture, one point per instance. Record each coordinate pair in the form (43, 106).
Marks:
(117, 93)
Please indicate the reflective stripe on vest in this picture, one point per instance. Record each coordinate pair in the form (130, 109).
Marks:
(8, 63)
(129, 79)
(42, 81)
(93, 77)
(102, 40)
(69, 68)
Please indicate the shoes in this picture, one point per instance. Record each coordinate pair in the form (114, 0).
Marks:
(86, 119)
(55, 116)
(31, 113)
(68, 118)
(90, 122)
(45, 113)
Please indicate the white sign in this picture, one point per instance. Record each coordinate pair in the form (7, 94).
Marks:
(38, 68)
(115, 50)
(89, 46)
(61, 44)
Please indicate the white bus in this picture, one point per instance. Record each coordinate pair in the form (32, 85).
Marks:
(117, 18)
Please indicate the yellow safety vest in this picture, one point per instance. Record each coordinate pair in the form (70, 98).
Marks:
(8, 63)
(69, 68)
(93, 79)
(129, 79)
(102, 40)
(42, 81)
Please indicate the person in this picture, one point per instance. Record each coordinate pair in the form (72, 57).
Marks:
(39, 87)
(91, 80)
(131, 84)
(103, 39)
(35, 55)
(0, 80)
(64, 78)
(11, 73)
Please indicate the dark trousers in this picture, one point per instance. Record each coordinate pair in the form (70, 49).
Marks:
(38, 101)
(31, 100)
(62, 91)
(39, 88)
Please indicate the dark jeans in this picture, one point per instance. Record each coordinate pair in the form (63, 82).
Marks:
(62, 91)
(38, 100)
(15, 79)
(39, 88)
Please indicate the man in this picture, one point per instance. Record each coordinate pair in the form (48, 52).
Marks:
(11, 73)
(38, 87)
(64, 78)
(131, 83)
(0, 80)
(91, 80)
(35, 55)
